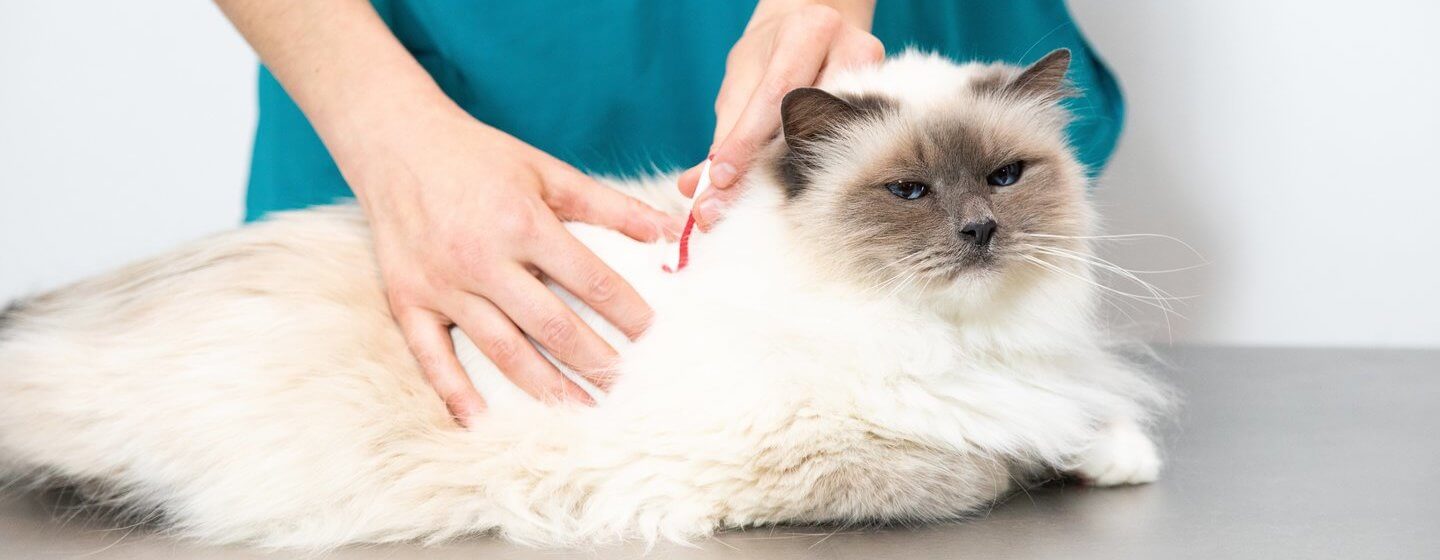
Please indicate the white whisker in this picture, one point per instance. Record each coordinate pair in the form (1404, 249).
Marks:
(1157, 302)
(1121, 236)
(1130, 270)
(1163, 305)
(1109, 266)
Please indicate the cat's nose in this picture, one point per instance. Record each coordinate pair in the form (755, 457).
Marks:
(979, 232)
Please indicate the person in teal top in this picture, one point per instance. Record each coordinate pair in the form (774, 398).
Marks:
(463, 128)
(621, 87)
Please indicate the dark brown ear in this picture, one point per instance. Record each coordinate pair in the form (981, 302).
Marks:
(1045, 78)
(807, 114)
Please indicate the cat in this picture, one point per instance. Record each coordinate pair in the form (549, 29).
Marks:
(880, 330)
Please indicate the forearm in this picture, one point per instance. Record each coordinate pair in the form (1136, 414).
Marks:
(860, 13)
(341, 65)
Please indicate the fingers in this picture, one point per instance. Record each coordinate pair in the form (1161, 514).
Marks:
(574, 266)
(804, 48)
(428, 336)
(542, 315)
(575, 196)
(807, 44)
(506, 347)
(800, 50)
(742, 75)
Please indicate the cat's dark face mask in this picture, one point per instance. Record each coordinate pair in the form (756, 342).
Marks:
(932, 197)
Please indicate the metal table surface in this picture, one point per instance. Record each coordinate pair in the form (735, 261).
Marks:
(1276, 453)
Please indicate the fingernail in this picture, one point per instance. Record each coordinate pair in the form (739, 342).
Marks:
(708, 213)
(721, 175)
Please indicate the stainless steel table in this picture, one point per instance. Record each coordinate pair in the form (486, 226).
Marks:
(1277, 453)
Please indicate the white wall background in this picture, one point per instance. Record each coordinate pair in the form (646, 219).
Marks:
(1292, 142)
(125, 128)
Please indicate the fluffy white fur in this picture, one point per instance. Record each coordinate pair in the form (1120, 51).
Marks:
(253, 388)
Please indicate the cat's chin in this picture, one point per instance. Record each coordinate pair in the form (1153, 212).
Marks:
(973, 286)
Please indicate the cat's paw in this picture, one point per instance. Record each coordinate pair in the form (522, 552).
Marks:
(1123, 454)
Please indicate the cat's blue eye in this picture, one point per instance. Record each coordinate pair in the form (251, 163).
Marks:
(908, 190)
(1007, 175)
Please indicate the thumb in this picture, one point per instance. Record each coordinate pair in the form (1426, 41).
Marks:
(733, 157)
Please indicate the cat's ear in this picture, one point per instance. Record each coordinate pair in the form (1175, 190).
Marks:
(807, 114)
(1045, 78)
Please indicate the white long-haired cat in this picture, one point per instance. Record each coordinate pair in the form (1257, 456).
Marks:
(880, 330)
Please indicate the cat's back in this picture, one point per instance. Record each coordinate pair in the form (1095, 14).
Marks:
(298, 291)
(231, 343)
(323, 252)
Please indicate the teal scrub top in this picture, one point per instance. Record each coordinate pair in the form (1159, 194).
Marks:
(623, 87)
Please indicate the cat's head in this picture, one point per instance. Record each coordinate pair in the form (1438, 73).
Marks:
(923, 176)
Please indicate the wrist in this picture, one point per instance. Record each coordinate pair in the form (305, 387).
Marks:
(375, 112)
(380, 141)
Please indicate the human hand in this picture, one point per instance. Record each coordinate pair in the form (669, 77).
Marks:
(466, 220)
(788, 44)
